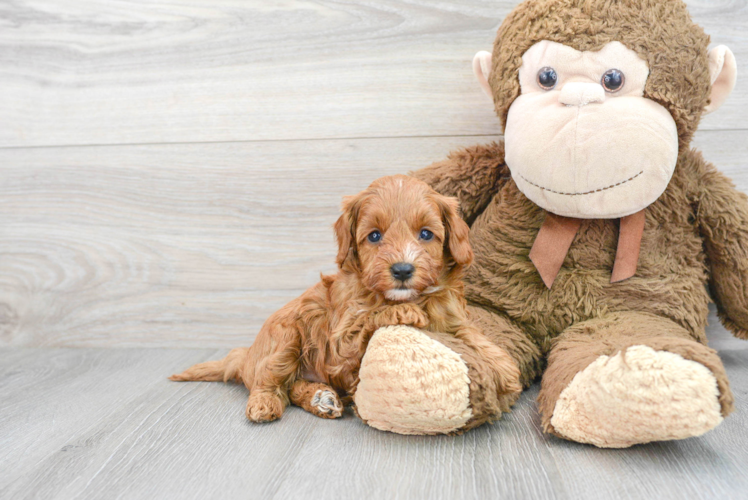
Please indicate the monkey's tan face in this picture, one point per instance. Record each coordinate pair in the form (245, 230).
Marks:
(581, 139)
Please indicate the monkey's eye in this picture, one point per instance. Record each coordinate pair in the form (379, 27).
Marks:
(613, 80)
(426, 235)
(547, 78)
(374, 236)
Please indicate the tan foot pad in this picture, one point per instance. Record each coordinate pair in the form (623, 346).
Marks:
(638, 396)
(412, 384)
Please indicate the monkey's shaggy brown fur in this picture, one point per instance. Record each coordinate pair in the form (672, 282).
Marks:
(696, 233)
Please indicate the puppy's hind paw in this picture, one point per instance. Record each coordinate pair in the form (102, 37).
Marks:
(326, 404)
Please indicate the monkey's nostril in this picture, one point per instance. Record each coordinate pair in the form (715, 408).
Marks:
(402, 271)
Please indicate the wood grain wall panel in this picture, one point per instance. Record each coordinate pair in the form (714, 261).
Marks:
(134, 72)
(157, 245)
(194, 244)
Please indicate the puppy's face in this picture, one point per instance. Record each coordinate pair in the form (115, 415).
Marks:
(402, 237)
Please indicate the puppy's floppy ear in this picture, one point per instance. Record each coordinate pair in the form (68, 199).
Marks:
(457, 231)
(345, 229)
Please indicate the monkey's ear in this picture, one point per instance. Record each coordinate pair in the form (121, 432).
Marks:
(345, 229)
(724, 73)
(481, 68)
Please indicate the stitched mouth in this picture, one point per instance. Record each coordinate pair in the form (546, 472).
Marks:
(587, 192)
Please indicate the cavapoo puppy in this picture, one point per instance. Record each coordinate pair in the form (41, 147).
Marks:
(402, 251)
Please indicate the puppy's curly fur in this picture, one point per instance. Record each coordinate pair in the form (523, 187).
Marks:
(309, 352)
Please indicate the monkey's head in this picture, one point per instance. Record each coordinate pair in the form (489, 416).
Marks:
(599, 98)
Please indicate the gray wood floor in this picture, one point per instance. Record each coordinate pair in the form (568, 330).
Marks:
(169, 173)
(105, 423)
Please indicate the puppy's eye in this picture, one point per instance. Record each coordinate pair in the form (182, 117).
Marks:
(547, 78)
(374, 236)
(426, 235)
(613, 80)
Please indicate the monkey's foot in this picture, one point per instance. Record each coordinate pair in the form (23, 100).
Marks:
(637, 396)
(412, 384)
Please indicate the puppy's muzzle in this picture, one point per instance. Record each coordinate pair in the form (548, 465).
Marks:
(402, 271)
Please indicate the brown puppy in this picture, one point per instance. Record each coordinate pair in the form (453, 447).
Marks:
(402, 251)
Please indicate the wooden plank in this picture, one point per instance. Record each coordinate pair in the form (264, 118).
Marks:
(135, 72)
(87, 423)
(505, 460)
(50, 397)
(190, 245)
(64, 436)
(180, 244)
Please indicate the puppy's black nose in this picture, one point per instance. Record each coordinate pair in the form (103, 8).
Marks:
(402, 271)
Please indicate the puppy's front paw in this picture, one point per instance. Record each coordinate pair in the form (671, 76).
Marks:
(326, 404)
(264, 407)
(405, 314)
(416, 317)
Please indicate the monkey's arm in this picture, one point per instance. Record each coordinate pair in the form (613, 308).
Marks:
(723, 222)
(473, 175)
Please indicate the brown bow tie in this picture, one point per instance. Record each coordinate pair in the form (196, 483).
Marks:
(555, 237)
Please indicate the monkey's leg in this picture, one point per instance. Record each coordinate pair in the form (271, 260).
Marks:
(511, 338)
(631, 378)
(420, 382)
(318, 399)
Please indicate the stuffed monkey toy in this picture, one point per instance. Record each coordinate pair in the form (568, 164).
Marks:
(600, 236)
